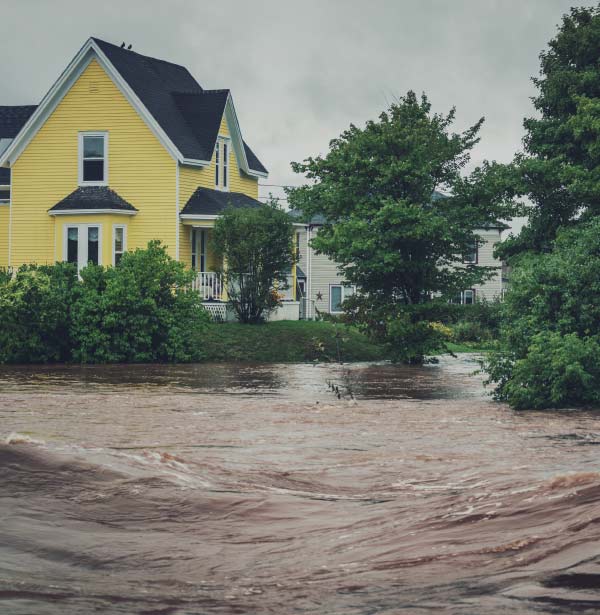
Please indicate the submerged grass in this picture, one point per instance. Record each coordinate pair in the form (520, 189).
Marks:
(296, 342)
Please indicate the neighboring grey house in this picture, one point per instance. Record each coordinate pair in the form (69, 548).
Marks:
(321, 288)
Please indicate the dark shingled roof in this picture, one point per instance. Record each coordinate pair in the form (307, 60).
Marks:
(299, 272)
(12, 119)
(207, 202)
(4, 195)
(188, 114)
(4, 176)
(93, 197)
(203, 113)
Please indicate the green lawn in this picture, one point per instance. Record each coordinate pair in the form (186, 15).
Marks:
(294, 342)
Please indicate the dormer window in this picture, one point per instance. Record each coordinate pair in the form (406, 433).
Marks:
(222, 163)
(93, 158)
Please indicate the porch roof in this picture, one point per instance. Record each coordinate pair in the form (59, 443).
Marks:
(96, 198)
(207, 202)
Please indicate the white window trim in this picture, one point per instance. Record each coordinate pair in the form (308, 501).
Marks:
(223, 140)
(81, 227)
(114, 237)
(343, 287)
(96, 133)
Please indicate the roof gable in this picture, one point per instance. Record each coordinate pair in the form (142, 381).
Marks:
(184, 117)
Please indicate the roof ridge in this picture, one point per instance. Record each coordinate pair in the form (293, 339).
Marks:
(95, 38)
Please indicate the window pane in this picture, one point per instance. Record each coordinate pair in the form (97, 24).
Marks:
(93, 147)
(225, 162)
(93, 245)
(118, 258)
(336, 298)
(119, 239)
(93, 170)
(469, 297)
(72, 244)
(217, 164)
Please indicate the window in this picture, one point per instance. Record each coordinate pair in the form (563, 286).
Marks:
(471, 257)
(93, 158)
(82, 244)
(225, 164)
(217, 162)
(199, 249)
(338, 293)
(119, 243)
(469, 297)
(466, 297)
(297, 246)
(222, 163)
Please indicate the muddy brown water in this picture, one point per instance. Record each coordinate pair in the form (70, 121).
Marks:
(254, 489)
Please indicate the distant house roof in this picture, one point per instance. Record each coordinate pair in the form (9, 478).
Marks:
(12, 119)
(207, 202)
(93, 198)
(190, 115)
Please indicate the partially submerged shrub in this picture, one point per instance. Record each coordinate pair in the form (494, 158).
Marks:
(142, 310)
(35, 306)
(549, 350)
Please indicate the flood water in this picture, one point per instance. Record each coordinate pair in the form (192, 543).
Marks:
(254, 489)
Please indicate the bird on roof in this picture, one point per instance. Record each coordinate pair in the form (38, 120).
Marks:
(129, 47)
(122, 44)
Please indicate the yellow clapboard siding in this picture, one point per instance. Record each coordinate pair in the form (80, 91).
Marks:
(140, 170)
(4, 222)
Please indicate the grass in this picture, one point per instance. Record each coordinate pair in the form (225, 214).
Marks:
(291, 341)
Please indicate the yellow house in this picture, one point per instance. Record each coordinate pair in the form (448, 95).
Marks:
(124, 148)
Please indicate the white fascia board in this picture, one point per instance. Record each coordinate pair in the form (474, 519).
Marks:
(238, 143)
(77, 212)
(57, 92)
(198, 217)
(4, 143)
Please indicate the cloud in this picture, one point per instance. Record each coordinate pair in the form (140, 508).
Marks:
(301, 72)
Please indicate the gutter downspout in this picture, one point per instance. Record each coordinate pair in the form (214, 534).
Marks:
(309, 275)
(176, 210)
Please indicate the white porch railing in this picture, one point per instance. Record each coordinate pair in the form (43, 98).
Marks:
(209, 284)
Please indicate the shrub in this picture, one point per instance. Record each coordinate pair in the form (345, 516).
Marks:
(550, 332)
(35, 307)
(142, 310)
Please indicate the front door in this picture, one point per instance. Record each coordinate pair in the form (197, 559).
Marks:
(82, 245)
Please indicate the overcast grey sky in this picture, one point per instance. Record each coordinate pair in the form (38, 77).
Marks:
(301, 71)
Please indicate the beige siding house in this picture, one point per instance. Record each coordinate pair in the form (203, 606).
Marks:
(321, 288)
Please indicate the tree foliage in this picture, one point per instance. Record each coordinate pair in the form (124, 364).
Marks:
(257, 246)
(391, 233)
(560, 168)
(549, 352)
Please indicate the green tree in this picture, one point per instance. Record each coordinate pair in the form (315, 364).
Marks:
(549, 349)
(560, 168)
(257, 246)
(397, 239)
